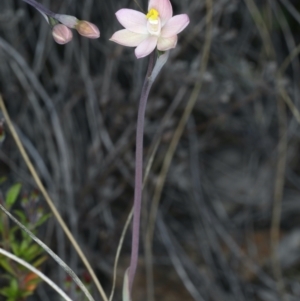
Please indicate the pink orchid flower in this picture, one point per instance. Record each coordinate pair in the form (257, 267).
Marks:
(145, 32)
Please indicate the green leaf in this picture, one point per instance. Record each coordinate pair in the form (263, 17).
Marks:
(15, 248)
(14, 286)
(26, 294)
(12, 194)
(11, 291)
(32, 252)
(24, 247)
(5, 292)
(21, 215)
(39, 261)
(42, 220)
(6, 265)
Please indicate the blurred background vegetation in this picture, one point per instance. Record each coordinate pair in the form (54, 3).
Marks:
(228, 224)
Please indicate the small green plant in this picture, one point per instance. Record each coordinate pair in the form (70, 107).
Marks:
(19, 283)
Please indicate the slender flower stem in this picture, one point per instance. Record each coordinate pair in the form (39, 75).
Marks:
(139, 171)
(40, 7)
(152, 73)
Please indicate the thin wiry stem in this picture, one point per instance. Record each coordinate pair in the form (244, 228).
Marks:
(139, 171)
(150, 78)
(40, 7)
(156, 142)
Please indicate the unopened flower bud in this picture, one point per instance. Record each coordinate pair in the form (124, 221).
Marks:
(87, 29)
(69, 21)
(61, 34)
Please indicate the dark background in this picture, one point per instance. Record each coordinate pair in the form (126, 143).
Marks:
(235, 167)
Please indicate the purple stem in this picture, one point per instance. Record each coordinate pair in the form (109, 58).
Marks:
(139, 172)
(40, 7)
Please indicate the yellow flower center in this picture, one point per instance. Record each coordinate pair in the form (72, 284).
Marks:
(152, 15)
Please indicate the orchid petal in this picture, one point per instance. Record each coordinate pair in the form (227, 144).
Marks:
(146, 47)
(128, 38)
(132, 20)
(165, 44)
(175, 25)
(164, 9)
